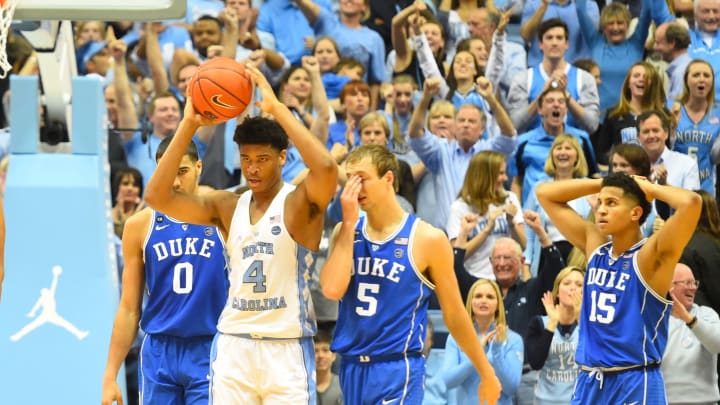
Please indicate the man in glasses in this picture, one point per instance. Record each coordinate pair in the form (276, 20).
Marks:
(522, 297)
(689, 364)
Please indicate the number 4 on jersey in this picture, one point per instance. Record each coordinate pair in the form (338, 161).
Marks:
(255, 275)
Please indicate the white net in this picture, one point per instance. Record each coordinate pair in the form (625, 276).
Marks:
(6, 16)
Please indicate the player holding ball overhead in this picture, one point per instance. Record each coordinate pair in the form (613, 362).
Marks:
(263, 351)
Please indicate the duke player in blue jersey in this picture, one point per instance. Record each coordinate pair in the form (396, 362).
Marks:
(383, 268)
(625, 305)
(183, 267)
(263, 352)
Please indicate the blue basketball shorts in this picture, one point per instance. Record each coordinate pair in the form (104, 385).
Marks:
(174, 370)
(641, 386)
(394, 381)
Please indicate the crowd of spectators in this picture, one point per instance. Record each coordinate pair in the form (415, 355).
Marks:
(480, 101)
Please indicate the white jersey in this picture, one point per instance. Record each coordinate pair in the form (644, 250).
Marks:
(269, 295)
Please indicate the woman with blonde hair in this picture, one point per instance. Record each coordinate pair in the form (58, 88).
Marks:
(641, 91)
(698, 117)
(495, 211)
(611, 47)
(565, 161)
(552, 339)
(441, 119)
(503, 347)
(441, 123)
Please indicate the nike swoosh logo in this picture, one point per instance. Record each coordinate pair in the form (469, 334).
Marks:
(216, 100)
(389, 401)
(632, 403)
(161, 227)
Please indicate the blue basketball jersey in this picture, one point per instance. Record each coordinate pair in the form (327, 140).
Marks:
(696, 140)
(622, 321)
(536, 82)
(384, 310)
(186, 278)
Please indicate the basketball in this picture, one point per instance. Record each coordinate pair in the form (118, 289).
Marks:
(221, 89)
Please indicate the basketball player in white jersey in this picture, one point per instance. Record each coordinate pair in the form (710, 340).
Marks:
(263, 352)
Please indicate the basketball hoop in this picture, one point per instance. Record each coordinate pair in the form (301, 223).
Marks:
(6, 15)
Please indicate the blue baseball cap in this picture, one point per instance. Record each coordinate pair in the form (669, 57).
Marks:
(86, 52)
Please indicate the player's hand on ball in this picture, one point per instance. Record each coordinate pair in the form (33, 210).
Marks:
(197, 119)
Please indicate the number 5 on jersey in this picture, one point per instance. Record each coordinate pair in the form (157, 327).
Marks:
(364, 295)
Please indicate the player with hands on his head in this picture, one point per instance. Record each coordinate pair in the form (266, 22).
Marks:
(627, 282)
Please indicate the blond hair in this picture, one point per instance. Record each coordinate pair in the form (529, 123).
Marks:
(499, 311)
(580, 168)
(560, 277)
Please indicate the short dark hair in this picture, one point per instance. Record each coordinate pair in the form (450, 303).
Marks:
(630, 189)
(349, 63)
(678, 35)
(261, 131)
(191, 151)
(159, 95)
(547, 25)
(207, 17)
(323, 336)
(645, 115)
(635, 155)
(586, 64)
(120, 175)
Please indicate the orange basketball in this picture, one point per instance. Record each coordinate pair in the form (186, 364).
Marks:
(221, 89)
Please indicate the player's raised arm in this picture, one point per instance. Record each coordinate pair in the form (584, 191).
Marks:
(319, 185)
(657, 259)
(438, 256)
(337, 270)
(161, 193)
(128, 313)
(313, 194)
(554, 197)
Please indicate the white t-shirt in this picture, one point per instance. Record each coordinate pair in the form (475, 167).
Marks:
(478, 263)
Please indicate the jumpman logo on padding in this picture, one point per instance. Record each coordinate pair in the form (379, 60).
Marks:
(48, 312)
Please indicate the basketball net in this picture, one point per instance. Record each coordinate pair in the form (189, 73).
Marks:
(6, 15)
